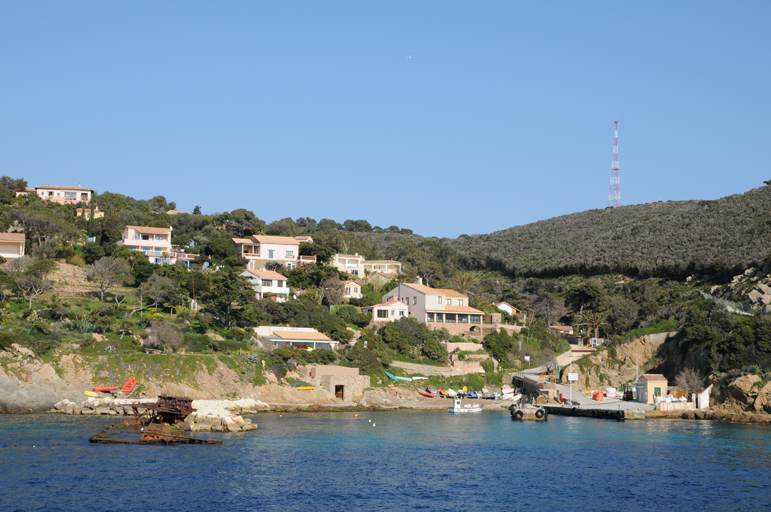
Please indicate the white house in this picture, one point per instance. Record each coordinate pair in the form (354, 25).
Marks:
(352, 290)
(508, 308)
(303, 338)
(351, 263)
(267, 283)
(438, 307)
(260, 249)
(387, 311)
(61, 194)
(383, 266)
(155, 243)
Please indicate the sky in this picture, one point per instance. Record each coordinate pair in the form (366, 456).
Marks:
(502, 116)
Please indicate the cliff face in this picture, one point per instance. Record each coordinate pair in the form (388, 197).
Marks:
(616, 367)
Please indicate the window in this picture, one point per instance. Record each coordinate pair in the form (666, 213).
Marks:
(267, 282)
(393, 312)
(70, 195)
(449, 318)
(429, 317)
(460, 302)
(449, 302)
(270, 254)
(462, 319)
(146, 249)
(439, 300)
(289, 254)
(401, 313)
(279, 284)
(355, 290)
(347, 290)
(414, 301)
(440, 317)
(475, 319)
(145, 237)
(382, 313)
(159, 238)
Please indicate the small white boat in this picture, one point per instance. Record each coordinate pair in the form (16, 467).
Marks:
(457, 406)
(511, 396)
(451, 393)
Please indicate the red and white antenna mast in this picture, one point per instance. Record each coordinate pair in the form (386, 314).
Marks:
(614, 196)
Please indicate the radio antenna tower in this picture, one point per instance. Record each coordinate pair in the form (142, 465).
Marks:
(614, 196)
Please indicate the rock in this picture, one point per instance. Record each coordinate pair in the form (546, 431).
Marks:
(22, 351)
(102, 410)
(98, 337)
(742, 388)
(214, 336)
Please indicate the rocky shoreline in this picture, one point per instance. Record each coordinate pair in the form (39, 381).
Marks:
(209, 415)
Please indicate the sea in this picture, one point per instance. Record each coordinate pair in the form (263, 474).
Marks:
(397, 460)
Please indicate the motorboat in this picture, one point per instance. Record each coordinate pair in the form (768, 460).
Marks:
(457, 406)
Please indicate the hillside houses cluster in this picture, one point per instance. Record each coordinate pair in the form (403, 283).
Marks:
(437, 308)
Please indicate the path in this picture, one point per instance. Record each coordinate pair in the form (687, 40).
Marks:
(425, 369)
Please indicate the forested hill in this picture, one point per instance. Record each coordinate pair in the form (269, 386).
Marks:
(675, 238)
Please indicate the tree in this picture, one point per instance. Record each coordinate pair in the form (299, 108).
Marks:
(594, 320)
(9, 187)
(689, 380)
(357, 226)
(549, 306)
(333, 289)
(41, 227)
(229, 291)
(160, 289)
(163, 334)
(464, 282)
(241, 222)
(197, 210)
(158, 204)
(283, 227)
(326, 225)
(31, 286)
(92, 252)
(108, 271)
(112, 227)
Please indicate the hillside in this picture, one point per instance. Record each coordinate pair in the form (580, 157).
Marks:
(673, 238)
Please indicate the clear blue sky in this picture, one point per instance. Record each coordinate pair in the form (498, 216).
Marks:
(503, 115)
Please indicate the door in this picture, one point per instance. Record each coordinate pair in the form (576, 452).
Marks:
(339, 392)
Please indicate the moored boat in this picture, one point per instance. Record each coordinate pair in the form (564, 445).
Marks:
(128, 387)
(428, 395)
(106, 389)
(458, 407)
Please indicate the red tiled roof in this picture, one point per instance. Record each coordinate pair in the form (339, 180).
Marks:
(154, 231)
(57, 187)
(266, 274)
(653, 377)
(435, 291)
(12, 237)
(265, 239)
(302, 335)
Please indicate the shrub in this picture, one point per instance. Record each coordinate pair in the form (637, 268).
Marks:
(77, 260)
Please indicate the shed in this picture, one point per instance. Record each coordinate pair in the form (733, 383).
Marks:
(649, 386)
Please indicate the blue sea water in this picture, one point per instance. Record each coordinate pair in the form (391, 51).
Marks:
(414, 460)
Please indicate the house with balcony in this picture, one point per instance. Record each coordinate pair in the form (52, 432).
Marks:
(438, 307)
(268, 284)
(260, 249)
(12, 245)
(351, 263)
(155, 243)
(61, 194)
(390, 267)
(387, 311)
(352, 290)
(303, 338)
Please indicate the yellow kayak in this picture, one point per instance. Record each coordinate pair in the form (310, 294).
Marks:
(306, 387)
(90, 393)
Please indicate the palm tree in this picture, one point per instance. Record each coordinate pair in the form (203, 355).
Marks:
(464, 282)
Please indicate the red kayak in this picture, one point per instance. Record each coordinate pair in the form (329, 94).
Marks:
(128, 386)
(106, 389)
(429, 395)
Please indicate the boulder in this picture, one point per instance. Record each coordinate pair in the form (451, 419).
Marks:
(22, 351)
(743, 388)
(103, 410)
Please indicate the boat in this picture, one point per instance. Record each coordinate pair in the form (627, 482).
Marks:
(128, 387)
(457, 406)
(305, 387)
(441, 392)
(429, 395)
(419, 378)
(432, 390)
(397, 379)
(106, 389)
(90, 393)
(472, 394)
(451, 393)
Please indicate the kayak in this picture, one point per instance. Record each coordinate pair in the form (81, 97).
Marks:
(429, 395)
(90, 393)
(128, 387)
(106, 389)
(305, 387)
(391, 376)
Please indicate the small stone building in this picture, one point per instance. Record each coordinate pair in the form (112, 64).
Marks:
(649, 386)
(343, 382)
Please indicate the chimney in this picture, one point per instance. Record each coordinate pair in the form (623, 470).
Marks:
(418, 280)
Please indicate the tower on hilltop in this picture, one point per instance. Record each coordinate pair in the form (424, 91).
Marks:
(614, 196)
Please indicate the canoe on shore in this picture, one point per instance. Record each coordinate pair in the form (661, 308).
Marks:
(429, 395)
(128, 387)
(106, 389)
(305, 387)
(397, 379)
(90, 393)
